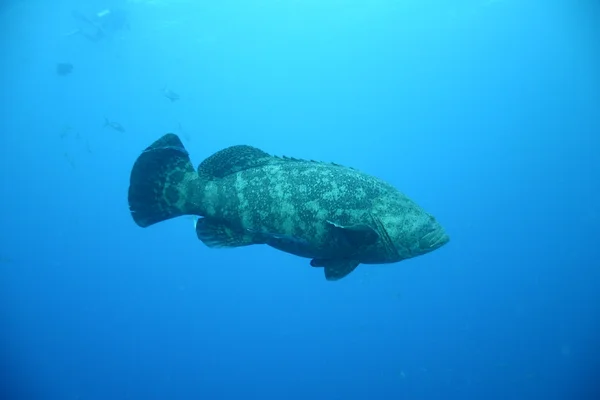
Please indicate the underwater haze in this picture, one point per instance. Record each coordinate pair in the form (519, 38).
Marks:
(484, 112)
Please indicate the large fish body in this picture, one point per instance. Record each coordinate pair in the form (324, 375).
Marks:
(334, 215)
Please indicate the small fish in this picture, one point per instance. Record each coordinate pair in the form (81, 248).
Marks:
(65, 131)
(63, 69)
(70, 160)
(114, 125)
(169, 94)
(5, 260)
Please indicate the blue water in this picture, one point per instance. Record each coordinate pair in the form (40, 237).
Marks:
(487, 113)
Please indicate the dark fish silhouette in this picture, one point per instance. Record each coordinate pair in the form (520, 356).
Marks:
(103, 24)
(169, 94)
(63, 69)
(113, 125)
(334, 215)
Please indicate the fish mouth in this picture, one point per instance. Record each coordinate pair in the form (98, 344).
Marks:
(434, 240)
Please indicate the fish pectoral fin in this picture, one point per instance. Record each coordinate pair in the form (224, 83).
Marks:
(216, 234)
(335, 269)
(356, 235)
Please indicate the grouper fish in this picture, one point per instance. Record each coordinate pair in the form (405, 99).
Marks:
(334, 215)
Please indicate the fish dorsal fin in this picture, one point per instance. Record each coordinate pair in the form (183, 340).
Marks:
(301, 160)
(232, 160)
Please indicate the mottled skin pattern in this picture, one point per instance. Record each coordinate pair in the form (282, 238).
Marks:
(301, 207)
(295, 199)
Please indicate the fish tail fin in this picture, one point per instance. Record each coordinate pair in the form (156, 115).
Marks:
(162, 183)
(106, 122)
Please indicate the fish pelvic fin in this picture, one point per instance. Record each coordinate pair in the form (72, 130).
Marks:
(162, 183)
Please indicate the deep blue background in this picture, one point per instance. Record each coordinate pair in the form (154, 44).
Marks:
(486, 113)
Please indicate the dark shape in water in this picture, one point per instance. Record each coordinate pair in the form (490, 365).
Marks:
(336, 216)
(169, 94)
(100, 25)
(63, 69)
(113, 125)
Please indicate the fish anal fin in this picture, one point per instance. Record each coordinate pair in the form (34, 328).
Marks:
(216, 234)
(335, 269)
